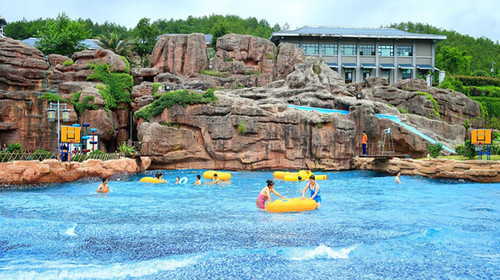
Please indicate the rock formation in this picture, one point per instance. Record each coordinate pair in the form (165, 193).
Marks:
(474, 170)
(206, 136)
(180, 54)
(289, 55)
(22, 67)
(53, 171)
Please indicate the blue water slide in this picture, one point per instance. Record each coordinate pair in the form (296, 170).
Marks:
(392, 118)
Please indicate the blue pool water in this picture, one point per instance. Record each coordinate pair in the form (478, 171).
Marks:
(367, 228)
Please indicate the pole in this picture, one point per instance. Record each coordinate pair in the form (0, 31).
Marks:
(58, 131)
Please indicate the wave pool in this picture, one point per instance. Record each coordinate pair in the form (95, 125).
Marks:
(367, 228)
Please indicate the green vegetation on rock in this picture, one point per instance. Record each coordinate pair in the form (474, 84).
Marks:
(214, 73)
(118, 85)
(242, 129)
(68, 62)
(434, 102)
(403, 110)
(169, 99)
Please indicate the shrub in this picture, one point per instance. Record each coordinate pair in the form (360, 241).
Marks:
(453, 84)
(434, 102)
(68, 62)
(164, 123)
(169, 99)
(495, 149)
(478, 81)
(435, 149)
(316, 69)
(469, 150)
(228, 59)
(14, 147)
(270, 56)
(242, 129)
(126, 149)
(459, 149)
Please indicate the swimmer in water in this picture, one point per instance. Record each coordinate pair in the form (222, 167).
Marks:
(103, 188)
(198, 180)
(314, 191)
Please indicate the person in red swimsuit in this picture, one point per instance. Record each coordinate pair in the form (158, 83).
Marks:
(265, 194)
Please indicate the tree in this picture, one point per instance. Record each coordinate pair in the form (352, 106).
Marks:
(453, 60)
(62, 36)
(116, 43)
(219, 29)
(145, 38)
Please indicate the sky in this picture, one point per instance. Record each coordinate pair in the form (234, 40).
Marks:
(475, 18)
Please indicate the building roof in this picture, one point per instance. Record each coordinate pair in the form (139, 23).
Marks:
(91, 43)
(353, 32)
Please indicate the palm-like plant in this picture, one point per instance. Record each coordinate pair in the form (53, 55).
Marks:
(117, 43)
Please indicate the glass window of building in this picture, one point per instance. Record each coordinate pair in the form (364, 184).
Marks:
(405, 50)
(348, 50)
(387, 50)
(329, 49)
(310, 49)
(367, 50)
(406, 73)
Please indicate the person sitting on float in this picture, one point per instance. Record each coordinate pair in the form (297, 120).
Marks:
(159, 176)
(314, 190)
(265, 194)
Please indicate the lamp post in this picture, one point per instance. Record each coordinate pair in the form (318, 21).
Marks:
(492, 68)
(55, 111)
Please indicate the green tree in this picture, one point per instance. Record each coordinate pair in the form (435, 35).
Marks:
(220, 29)
(453, 60)
(62, 36)
(116, 43)
(145, 38)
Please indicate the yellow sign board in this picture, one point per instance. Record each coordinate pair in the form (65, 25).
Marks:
(70, 134)
(480, 136)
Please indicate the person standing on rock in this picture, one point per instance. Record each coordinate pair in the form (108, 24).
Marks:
(364, 142)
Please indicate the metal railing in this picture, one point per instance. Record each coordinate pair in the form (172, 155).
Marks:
(6, 156)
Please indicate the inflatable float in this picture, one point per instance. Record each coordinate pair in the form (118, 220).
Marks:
(291, 205)
(152, 180)
(223, 176)
(303, 174)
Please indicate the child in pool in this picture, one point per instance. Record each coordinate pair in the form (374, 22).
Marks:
(103, 188)
(159, 176)
(177, 180)
(215, 180)
(265, 194)
(198, 180)
(314, 190)
(396, 180)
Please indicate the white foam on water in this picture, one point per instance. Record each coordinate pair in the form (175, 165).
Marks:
(60, 270)
(71, 231)
(321, 252)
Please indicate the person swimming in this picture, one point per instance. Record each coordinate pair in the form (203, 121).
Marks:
(396, 180)
(265, 194)
(215, 180)
(198, 180)
(159, 176)
(103, 188)
(314, 190)
(177, 180)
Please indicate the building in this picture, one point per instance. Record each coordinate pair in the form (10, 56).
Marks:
(91, 44)
(356, 53)
(3, 23)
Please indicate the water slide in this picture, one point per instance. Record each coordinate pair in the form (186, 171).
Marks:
(392, 118)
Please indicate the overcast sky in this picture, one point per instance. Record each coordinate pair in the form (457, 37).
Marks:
(476, 18)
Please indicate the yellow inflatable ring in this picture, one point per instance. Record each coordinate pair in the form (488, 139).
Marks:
(152, 180)
(223, 176)
(291, 205)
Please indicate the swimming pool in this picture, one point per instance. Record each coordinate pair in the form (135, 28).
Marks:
(367, 228)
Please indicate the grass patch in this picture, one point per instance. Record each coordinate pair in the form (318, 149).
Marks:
(215, 73)
(68, 62)
(403, 111)
(270, 56)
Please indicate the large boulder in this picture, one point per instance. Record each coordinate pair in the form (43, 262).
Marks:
(289, 55)
(244, 54)
(107, 125)
(22, 67)
(180, 54)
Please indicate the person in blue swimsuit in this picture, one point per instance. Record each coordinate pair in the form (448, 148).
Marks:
(314, 190)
